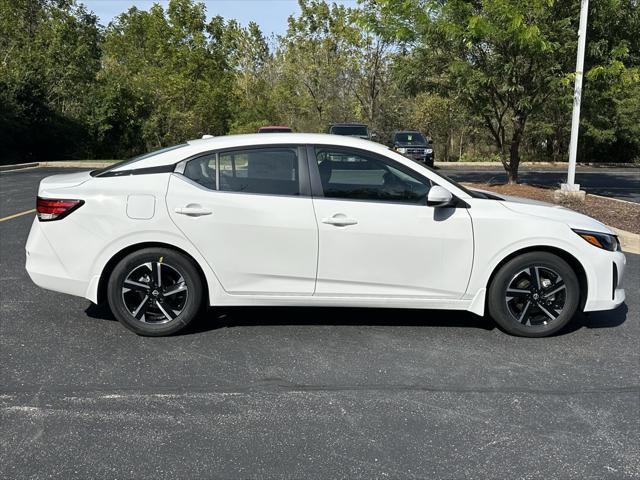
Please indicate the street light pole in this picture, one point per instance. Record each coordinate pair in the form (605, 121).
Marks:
(571, 186)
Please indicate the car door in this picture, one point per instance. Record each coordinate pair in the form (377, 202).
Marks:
(377, 235)
(249, 213)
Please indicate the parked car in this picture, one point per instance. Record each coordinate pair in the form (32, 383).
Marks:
(414, 145)
(309, 219)
(358, 130)
(275, 129)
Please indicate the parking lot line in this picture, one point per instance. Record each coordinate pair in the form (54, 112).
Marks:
(15, 215)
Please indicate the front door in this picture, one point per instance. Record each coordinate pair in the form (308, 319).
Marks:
(245, 211)
(377, 235)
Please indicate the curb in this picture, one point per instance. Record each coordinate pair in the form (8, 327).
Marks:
(77, 164)
(628, 202)
(629, 241)
(18, 166)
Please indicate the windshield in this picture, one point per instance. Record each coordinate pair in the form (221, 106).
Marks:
(101, 171)
(410, 138)
(354, 130)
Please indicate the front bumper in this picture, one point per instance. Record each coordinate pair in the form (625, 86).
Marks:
(607, 292)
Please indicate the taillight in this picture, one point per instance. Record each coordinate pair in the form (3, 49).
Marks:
(49, 209)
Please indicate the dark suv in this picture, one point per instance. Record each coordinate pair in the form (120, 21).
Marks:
(359, 130)
(414, 145)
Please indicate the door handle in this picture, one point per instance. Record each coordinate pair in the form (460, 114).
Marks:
(340, 220)
(193, 211)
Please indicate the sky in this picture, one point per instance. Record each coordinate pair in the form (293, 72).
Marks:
(271, 15)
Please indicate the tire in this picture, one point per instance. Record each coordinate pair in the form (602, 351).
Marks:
(534, 295)
(152, 304)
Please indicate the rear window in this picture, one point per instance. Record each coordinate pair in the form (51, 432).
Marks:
(272, 171)
(130, 161)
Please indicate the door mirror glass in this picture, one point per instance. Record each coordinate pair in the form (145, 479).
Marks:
(439, 197)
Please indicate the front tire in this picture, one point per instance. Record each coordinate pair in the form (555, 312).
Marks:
(534, 295)
(155, 291)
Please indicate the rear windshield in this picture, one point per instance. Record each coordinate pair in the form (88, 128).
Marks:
(355, 130)
(410, 138)
(102, 171)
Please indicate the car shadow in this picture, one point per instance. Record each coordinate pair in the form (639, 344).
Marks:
(228, 317)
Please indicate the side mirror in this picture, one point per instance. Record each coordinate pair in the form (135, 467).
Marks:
(439, 197)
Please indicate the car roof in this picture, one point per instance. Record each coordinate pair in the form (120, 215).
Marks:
(349, 124)
(202, 145)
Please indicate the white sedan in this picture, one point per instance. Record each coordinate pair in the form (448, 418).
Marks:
(314, 220)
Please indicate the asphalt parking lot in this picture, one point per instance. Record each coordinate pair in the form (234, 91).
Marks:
(306, 393)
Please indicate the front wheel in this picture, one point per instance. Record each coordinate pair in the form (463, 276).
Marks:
(155, 291)
(534, 295)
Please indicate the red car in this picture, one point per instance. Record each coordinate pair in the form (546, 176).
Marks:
(275, 129)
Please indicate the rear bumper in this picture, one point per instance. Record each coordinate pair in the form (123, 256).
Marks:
(45, 268)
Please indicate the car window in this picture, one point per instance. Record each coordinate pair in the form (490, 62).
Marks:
(360, 130)
(357, 176)
(271, 171)
(111, 168)
(202, 170)
(410, 138)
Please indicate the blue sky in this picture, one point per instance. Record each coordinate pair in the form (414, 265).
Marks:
(271, 15)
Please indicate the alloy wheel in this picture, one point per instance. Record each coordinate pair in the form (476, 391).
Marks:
(154, 292)
(536, 296)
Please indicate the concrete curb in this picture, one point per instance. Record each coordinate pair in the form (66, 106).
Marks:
(18, 166)
(628, 202)
(630, 241)
(78, 164)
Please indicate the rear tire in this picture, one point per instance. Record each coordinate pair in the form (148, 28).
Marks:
(155, 291)
(534, 295)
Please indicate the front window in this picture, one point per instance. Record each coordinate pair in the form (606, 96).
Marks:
(352, 130)
(357, 176)
(410, 138)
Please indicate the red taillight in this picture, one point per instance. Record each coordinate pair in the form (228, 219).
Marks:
(55, 208)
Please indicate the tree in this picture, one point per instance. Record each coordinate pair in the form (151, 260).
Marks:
(49, 58)
(176, 65)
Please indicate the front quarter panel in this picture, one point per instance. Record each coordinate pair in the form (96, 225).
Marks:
(500, 232)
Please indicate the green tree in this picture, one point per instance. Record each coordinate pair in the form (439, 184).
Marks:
(175, 64)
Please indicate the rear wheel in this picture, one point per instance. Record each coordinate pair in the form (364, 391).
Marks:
(155, 291)
(534, 295)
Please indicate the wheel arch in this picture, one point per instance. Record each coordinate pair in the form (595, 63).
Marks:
(573, 262)
(113, 261)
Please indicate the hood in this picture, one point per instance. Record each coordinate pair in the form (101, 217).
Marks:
(64, 180)
(553, 212)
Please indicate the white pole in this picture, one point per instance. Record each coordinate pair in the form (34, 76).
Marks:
(577, 93)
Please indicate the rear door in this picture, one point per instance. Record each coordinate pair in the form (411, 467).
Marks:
(249, 213)
(377, 235)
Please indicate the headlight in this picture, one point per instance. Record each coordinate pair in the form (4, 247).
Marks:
(401, 150)
(600, 240)
(429, 150)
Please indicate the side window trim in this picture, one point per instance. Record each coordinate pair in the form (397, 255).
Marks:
(316, 184)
